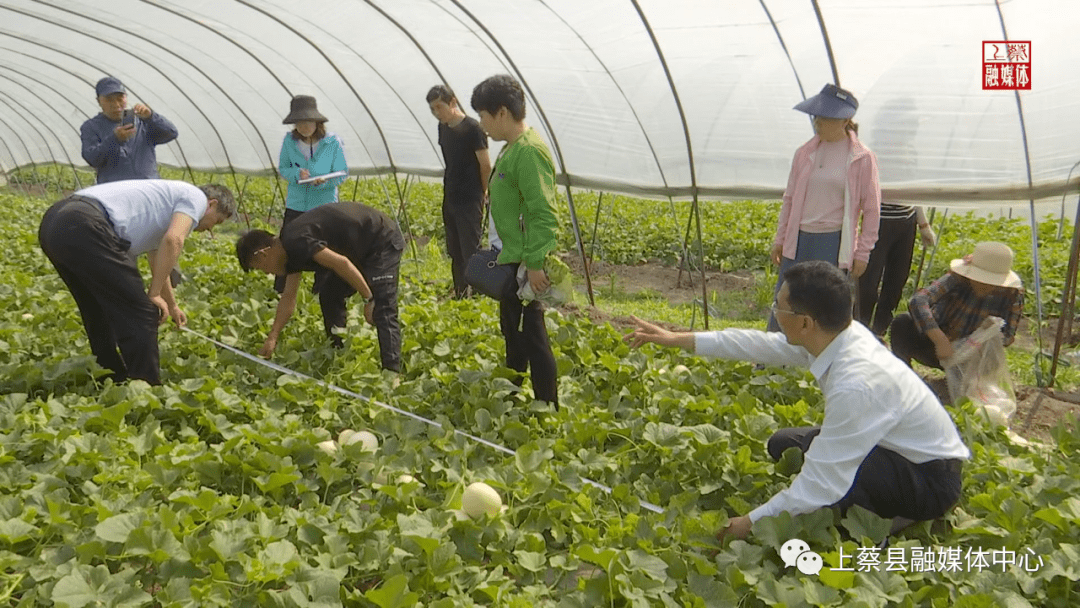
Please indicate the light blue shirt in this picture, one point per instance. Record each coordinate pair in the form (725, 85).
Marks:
(871, 399)
(142, 209)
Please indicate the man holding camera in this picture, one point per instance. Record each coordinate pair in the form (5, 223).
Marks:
(119, 142)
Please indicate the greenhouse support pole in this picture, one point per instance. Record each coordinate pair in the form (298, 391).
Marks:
(922, 256)
(1068, 297)
(683, 263)
(356, 186)
(828, 43)
(596, 224)
(1034, 221)
(1061, 220)
(689, 145)
(933, 251)
(701, 255)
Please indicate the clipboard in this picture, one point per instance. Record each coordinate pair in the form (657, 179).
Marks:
(327, 176)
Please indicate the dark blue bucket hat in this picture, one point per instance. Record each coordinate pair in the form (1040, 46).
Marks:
(831, 102)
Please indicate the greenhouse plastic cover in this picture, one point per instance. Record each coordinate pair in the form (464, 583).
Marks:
(654, 97)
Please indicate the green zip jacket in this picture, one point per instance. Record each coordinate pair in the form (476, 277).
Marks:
(522, 194)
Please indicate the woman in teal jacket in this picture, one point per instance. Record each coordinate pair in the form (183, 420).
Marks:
(308, 151)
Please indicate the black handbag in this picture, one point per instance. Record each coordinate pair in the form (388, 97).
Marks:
(487, 276)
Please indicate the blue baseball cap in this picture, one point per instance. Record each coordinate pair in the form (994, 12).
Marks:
(108, 86)
(831, 102)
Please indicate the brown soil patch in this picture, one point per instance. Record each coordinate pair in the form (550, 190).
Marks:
(1050, 413)
(677, 287)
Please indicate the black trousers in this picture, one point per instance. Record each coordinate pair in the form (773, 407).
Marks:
(527, 343)
(889, 267)
(382, 277)
(462, 221)
(80, 241)
(887, 483)
(909, 343)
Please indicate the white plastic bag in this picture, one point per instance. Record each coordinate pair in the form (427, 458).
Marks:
(559, 292)
(979, 371)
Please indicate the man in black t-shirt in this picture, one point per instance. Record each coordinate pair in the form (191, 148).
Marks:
(465, 151)
(361, 246)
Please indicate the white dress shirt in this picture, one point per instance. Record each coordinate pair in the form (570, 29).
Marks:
(141, 210)
(871, 399)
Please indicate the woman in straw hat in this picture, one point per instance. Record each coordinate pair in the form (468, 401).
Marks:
(308, 152)
(833, 199)
(979, 286)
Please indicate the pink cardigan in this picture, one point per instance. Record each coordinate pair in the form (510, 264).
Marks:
(862, 197)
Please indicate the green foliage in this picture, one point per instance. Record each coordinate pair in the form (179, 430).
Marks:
(209, 491)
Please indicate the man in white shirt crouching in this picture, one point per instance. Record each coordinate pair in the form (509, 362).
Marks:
(886, 443)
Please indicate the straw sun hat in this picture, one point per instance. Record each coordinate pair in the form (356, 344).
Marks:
(990, 263)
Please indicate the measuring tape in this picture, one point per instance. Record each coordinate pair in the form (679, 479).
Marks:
(337, 389)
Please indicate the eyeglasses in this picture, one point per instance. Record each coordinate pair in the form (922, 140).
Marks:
(776, 310)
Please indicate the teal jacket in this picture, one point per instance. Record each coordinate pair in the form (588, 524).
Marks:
(328, 158)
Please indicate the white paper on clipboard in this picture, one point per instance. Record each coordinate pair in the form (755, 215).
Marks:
(327, 176)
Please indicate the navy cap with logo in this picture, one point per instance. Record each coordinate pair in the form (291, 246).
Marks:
(108, 86)
(831, 102)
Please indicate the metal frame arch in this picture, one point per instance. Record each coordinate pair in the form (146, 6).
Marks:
(48, 86)
(828, 43)
(29, 156)
(272, 163)
(618, 87)
(1031, 202)
(251, 54)
(783, 45)
(356, 94)
(4, 98)
(120, 48)
(431, 62)
(44, 123)
(389, 86)
(330, 62)
(41, 44)
(266, 148)
(696, 213)
(554, 141)
(169, 51)
(10, 155)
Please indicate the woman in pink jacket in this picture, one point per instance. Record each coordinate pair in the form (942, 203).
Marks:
(833, 198)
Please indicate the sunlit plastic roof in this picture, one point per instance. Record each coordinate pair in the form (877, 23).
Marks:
(655, 97)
